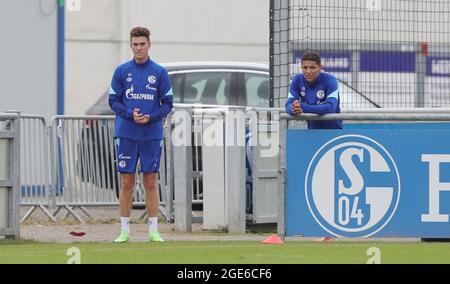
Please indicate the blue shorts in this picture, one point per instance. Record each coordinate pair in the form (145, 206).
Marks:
(129, 152)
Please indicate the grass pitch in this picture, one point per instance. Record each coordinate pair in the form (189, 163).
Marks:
(221, 252)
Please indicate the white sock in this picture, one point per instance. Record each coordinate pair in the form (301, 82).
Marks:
(152, 224)
(125, 224)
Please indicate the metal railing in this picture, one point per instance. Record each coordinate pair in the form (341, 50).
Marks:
(85, 174)
(70, 163)
(36, 188)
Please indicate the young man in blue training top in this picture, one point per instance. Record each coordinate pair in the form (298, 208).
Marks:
(314, 91)
(141, 96)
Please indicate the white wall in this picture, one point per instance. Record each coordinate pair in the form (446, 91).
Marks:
(28, 56)
(97, 38)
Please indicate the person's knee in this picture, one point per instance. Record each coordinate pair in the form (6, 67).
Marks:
(151, 186)
(127, 188)
(150, 181)
(127, 184)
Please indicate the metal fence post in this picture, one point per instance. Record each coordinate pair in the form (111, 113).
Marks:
(281, 178)
(15, 169)
(235, 179)
(10, 175)
(53, 160)
(182, 153)
(421, 71)
(169, 171)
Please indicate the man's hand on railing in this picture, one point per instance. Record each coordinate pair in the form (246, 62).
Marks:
(296, 109)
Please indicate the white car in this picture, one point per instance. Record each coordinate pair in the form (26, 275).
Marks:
(228, 83)
(211, 83)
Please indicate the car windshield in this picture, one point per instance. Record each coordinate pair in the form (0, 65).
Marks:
(101, 106)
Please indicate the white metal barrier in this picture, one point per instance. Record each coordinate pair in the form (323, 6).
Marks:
(83, 163)
(36, 189)
(86, 173)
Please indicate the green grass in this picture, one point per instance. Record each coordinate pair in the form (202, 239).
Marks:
(233, 252)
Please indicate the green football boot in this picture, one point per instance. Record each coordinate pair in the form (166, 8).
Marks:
(154, 236)
(124, 237)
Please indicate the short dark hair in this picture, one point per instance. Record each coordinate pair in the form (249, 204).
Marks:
(140, 31)
(311, 56)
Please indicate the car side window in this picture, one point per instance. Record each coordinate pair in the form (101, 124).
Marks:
(176, 80)
(257, 89)
(207, 88)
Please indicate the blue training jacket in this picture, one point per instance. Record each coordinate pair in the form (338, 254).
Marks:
(320, 97)
(147, 87)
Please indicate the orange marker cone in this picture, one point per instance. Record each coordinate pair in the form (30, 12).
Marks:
(273, 240)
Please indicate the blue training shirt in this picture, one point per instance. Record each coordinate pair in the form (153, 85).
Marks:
(320, 97)
(147, 87)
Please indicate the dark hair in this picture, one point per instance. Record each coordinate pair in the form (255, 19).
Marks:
(311, 56)
(140, 31)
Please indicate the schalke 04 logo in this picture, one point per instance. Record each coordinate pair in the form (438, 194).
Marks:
(352, 186)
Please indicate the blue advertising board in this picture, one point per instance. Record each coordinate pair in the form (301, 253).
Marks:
(438, 66)
(387, 61)
(368, 182)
